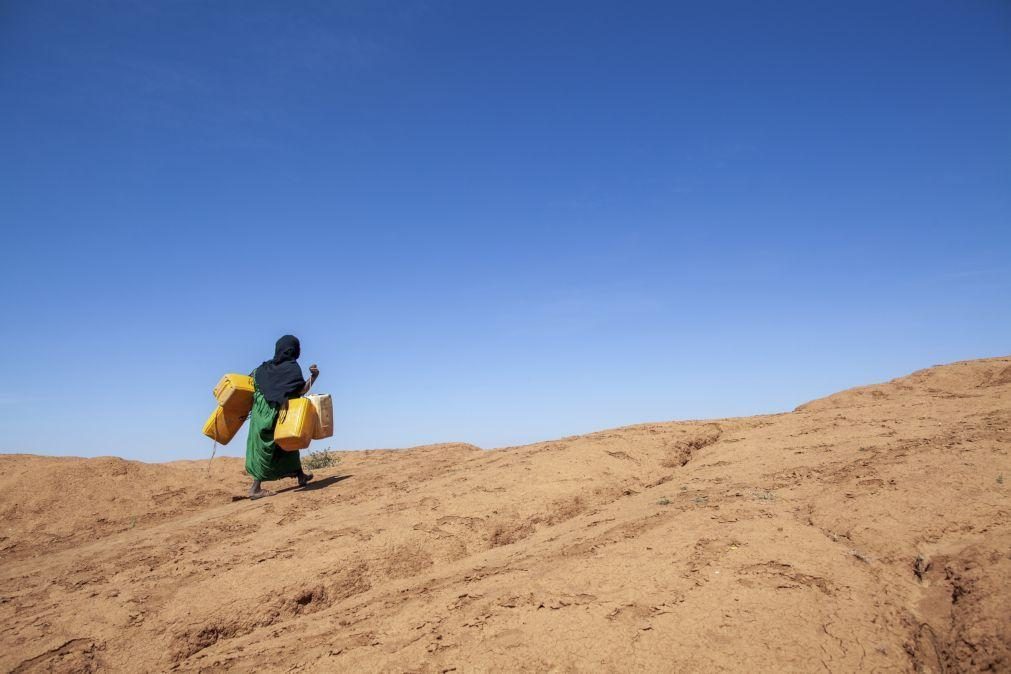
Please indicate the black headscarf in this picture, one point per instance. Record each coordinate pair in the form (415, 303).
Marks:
(281, 378)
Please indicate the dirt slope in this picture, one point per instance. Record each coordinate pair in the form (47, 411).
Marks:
(867, 531)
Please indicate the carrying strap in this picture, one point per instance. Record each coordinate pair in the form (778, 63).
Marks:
(309, 383)
(213, 452)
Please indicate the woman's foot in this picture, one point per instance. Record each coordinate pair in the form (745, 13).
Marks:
(256, 491)
(304, 479)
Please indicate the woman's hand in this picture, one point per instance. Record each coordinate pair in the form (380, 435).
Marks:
(313, 371)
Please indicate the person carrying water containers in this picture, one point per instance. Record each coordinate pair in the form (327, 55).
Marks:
(284, 418)
(275, 382)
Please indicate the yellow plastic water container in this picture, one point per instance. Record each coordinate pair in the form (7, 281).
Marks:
(323, 405)
(235, 393)
(295, 425)
(222, 425)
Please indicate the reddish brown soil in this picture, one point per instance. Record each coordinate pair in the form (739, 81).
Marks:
(867, 531)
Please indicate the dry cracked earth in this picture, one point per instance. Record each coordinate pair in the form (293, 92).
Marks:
(867, 531)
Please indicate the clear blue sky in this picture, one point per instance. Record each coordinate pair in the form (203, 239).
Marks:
(491, 223)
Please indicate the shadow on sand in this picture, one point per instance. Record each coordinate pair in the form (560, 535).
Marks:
(322, 483)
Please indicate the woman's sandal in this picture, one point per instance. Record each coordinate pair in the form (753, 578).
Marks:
(259, 493)
(304, 479)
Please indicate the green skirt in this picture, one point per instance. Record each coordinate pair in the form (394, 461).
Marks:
(264, 459)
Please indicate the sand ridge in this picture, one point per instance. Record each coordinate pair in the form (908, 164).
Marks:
(870, 530)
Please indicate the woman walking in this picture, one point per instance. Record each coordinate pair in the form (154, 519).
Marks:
(276, 381)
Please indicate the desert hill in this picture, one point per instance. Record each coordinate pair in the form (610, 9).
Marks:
(866, 531)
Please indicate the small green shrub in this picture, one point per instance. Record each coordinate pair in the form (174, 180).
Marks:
(663, 501)
(321, 458)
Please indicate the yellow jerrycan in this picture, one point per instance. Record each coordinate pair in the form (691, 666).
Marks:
(323, 405)
(235, 393)
(222, 425)
(295, 425)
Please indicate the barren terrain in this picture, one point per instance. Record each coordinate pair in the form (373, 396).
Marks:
(866, 531)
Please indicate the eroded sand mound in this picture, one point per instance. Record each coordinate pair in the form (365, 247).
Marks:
(870, 530)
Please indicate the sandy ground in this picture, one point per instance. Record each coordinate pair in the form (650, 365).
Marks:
(867, 531)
